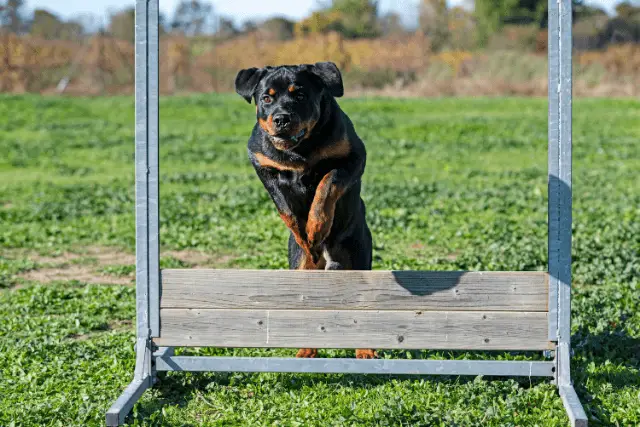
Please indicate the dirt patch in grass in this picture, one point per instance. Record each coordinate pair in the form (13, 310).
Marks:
(108, 257)
(83, 265)
(200, 259)
(88, 264)
(120, 325)
(452, 256)
(81, 273)
(79, 337)
(93, 254)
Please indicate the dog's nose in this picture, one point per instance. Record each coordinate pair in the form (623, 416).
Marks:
(282, 120)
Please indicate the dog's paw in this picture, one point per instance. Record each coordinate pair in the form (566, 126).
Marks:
(332, 265)
(307, 353)
(366, 353)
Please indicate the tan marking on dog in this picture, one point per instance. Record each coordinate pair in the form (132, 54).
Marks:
(271, 92)
(309, 127)
(266, 125)
(308, 353)
(306, 262)
(366, 353)
(323, 209)
(337, 150)
(291, 88)
(266, 162)
(282, 144)
(297, 229)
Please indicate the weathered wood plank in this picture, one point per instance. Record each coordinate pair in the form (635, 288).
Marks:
(354, 290)
(354, 329)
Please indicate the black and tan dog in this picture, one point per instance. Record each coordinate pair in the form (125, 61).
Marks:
(308, 156)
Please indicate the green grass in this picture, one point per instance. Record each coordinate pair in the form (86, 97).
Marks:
(450, 184)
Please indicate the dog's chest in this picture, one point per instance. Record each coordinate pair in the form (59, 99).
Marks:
(300, 183)
(299, 189)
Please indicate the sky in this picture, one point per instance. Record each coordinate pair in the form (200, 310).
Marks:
(239, 10)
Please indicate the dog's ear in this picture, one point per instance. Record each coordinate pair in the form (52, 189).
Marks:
(247, 80)
(330, 75)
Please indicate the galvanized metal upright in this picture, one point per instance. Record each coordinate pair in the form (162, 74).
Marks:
(147, 208)
(560, 200)
(150, 359)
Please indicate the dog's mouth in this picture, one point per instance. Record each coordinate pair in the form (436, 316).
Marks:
(287, 142)
(297, 137)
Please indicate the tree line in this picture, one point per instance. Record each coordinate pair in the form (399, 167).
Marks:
(468, 26)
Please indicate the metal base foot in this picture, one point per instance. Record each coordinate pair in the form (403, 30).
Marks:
(577, 416)
(119, 410)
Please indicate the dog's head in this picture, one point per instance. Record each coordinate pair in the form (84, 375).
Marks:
(289, 98)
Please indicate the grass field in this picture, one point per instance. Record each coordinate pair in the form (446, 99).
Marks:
(449, 184)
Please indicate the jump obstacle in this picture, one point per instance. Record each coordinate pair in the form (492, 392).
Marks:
(352, 309)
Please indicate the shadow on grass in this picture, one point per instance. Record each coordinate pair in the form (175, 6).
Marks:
(177, 390)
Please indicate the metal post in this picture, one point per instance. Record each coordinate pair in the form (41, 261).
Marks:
(153, 121)
(560, 194)
(147, 221)
(553, 165)
(560, 199)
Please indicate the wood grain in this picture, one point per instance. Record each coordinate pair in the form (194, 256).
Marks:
(354, 290)
(454, 330)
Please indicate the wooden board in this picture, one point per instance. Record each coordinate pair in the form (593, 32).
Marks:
(354, 329)
(355, 290)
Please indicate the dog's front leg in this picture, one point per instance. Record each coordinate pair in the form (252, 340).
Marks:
(322, 211)
(297, 226)
(332, 186)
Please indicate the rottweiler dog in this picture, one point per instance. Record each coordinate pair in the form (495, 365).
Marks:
(309, 158)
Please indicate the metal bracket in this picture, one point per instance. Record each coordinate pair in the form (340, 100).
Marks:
(160, 354)
(572, 405)
(143, 358)
(142, 380)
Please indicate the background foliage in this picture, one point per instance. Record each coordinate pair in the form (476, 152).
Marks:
(463, 50)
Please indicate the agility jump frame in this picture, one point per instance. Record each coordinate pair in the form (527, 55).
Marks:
(352, 309)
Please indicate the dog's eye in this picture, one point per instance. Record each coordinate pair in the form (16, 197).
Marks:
(266, 99)
(300, 96)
